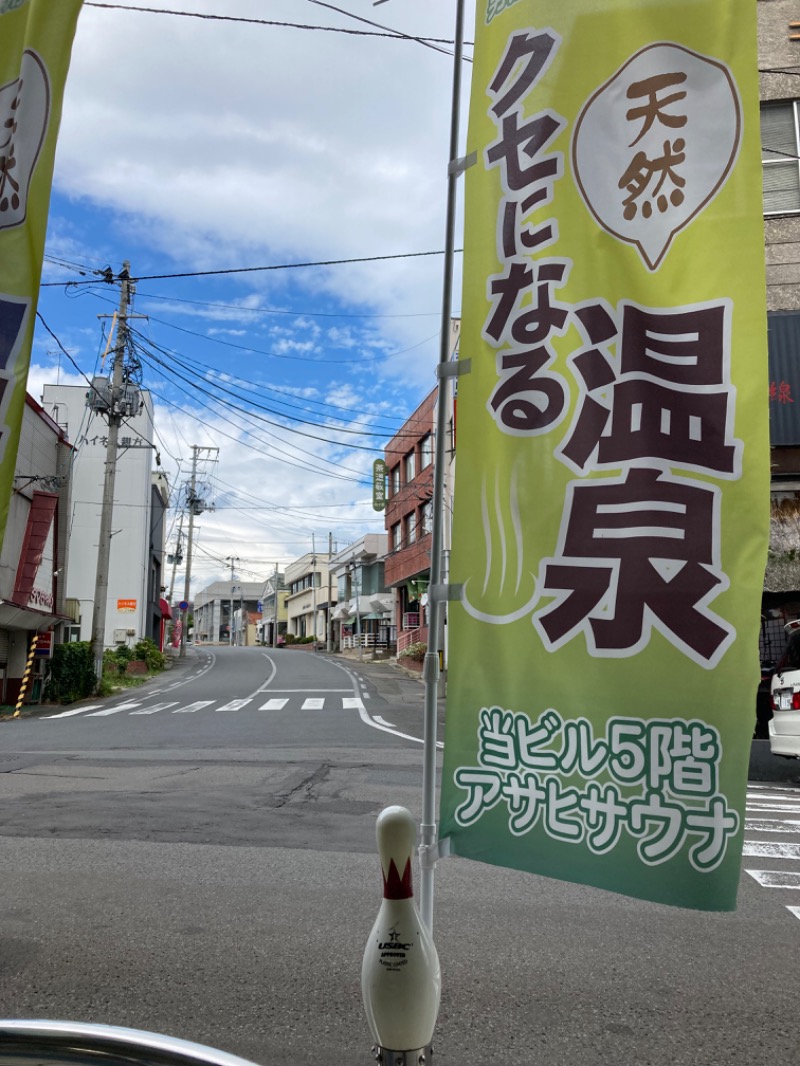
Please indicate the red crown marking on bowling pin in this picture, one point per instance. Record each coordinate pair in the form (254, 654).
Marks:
(395, 886)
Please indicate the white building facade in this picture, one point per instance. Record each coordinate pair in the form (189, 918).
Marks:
(128, 610)
(225, 612)
(307, 599)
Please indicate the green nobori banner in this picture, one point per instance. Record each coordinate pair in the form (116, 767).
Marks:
(35, 46)
(612, 484)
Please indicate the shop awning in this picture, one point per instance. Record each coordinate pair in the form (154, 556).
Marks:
(165, 609)
(14, 617)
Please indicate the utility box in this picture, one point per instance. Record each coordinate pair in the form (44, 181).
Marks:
(120, 636)
(98, 398)
(130, 400)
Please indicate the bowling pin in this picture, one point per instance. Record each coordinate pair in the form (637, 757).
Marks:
(400, 977)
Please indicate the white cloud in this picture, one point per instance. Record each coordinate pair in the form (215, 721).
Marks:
(211, 145)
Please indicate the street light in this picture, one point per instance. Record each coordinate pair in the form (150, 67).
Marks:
(356, 590)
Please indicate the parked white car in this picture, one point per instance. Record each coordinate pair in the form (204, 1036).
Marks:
(784, 726)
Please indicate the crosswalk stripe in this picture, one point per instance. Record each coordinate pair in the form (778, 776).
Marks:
(235, 705)
(275, 703)
(156, 708)
(114, 710)
(192, 707)
(76, 710)
(772, 825)
(776, 878)
(774, 851)
(762, 808)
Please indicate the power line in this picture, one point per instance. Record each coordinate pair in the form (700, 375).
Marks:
(260, 269)
(193, 383)
(368, 22)
(429, 42)
(273, 453)
(222, 381)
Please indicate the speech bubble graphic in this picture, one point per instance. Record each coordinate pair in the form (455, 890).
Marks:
(655, 144)
(24, 115)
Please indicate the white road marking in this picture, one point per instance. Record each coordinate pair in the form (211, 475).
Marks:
(367, 720)
(235, 705)
(68, 714)
(313, 705)
(190, 708)
(795, 911)
(776, 878)
(352, 704)
(274, 705)
(774, 851)
(760, 808)
(389, 725)
(114, 710)
(274, 668)
(757, 796)
(157, 707)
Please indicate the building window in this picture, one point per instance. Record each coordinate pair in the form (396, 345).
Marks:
(425, 451)
(394, 480)
(410, 467)
(396, 537)
(779, 151)
(411, 528)
(427, 517)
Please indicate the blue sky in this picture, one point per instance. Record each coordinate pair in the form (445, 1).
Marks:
(191, 145)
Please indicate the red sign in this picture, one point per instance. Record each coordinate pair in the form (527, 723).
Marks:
(126, 605)
(44, 645)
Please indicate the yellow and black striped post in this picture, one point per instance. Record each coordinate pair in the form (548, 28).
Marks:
(26, 677)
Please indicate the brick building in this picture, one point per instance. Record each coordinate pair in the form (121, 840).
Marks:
(409, 461)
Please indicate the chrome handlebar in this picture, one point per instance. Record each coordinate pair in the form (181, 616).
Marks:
(47, 1043)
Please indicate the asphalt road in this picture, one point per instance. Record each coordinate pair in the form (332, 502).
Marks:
(212, 874)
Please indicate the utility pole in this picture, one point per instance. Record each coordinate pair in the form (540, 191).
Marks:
(196, 506)
(176, 558)
(314, 589)
(115, 416)
(232, 559)
(329, 627)
(358, 613)
(275, 627)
